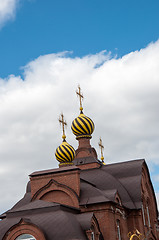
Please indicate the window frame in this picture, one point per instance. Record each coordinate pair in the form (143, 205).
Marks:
(118, 229)
(30, 237)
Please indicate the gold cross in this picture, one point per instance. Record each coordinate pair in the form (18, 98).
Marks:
(78, 92)
(63, 123)
(101, 147)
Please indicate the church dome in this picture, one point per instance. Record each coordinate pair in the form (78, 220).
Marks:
(65, 154)
(82, 126)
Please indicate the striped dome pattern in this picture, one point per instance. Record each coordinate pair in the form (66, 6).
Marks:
(82, 126)
(65, 153)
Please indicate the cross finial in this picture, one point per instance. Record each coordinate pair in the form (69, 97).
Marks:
(63, 123)
(101, 147)
(78, 92)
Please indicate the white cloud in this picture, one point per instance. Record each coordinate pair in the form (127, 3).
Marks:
(7, 10)
(121, 96)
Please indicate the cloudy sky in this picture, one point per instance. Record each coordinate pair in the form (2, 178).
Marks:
(46, 50)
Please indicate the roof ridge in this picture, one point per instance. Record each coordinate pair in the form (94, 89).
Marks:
(124, 162)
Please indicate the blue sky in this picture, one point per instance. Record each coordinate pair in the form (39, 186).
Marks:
(113, 52)
(84, 27)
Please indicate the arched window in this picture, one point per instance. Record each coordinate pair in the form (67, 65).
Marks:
(92, 236)
(148, 213)
(118, 229)
(25, 237)
(118, 201)
(143, 213)
(92, 233)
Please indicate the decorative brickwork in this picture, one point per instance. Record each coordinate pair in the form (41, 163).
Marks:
(56, 192)
(24, 227)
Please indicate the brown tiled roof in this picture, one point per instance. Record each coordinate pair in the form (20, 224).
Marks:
(101, 184)
(123, 177)
(57, 222)
(35, 206)
(85, 220)
(97, 185)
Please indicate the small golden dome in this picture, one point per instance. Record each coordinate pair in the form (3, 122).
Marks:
(82, 126)
(65, 154)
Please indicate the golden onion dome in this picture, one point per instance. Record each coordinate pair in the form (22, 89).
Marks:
(82, 126)
(65, 154)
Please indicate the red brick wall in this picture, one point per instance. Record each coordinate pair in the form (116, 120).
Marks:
(62, 187)
(89, 166)
(70, 179)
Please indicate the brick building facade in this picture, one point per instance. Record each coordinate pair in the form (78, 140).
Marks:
(84, 198)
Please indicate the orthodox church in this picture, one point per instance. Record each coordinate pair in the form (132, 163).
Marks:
(84, 199)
